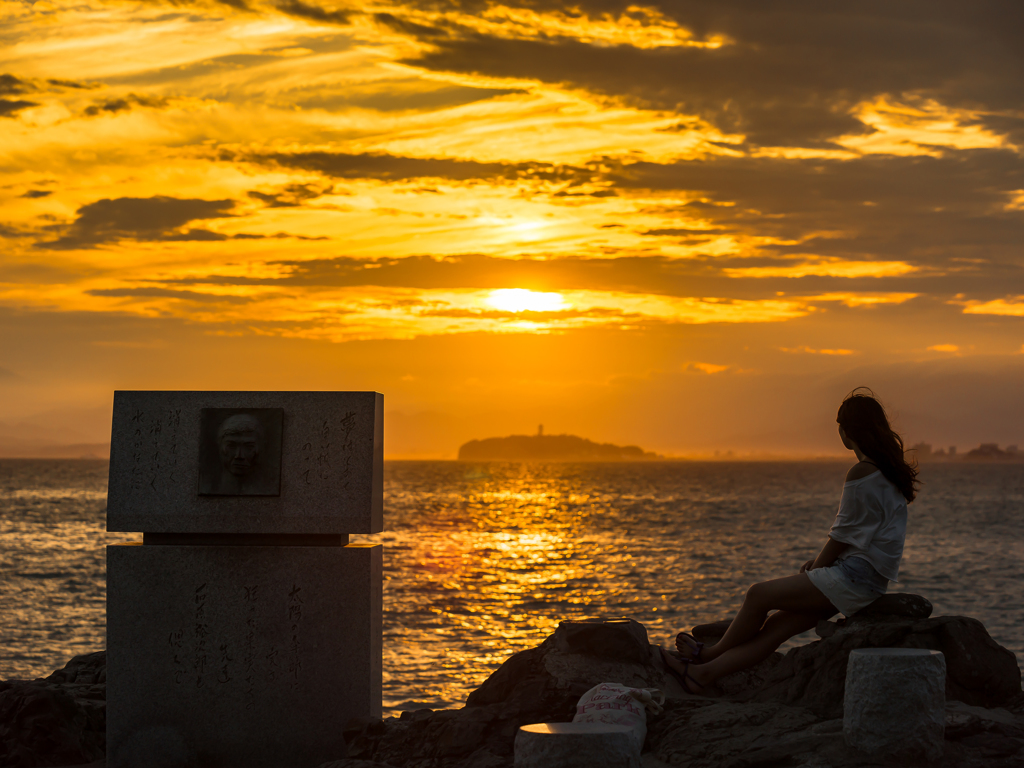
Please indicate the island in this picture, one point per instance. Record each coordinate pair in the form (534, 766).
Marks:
(541, 447)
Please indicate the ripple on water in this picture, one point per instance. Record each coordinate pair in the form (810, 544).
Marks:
(484, 560)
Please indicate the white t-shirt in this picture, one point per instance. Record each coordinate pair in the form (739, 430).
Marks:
(872, 519)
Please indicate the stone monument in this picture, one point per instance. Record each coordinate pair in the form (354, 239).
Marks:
(244, 630)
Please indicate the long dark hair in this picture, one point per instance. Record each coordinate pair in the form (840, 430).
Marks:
(864, 421)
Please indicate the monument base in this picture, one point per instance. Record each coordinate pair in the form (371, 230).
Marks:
(247, 656)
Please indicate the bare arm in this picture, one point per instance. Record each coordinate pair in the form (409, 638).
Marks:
(828, 555)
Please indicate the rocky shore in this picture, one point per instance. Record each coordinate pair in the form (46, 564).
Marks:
(785, 712)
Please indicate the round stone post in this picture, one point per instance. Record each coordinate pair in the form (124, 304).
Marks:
(576, 745)
(895, 703)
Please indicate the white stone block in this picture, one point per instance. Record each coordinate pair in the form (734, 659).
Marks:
(894, 704)
(576, 745)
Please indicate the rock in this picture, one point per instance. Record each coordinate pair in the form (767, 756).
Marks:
(894, 705)
(704, 733)
(990, 736)
(750, 679)
(978, 670)
(87, 669)
(788, 705)
(994, 745)
(619, 639)
(1016, 704)
(56, 720)
(432, 739)
(781, 713)
(963, 720)
(710, 633)
(43, 725)
(828, 726)
(544, 683)
(483, 758)
(902, 604)
(575, 745)
(538, 685)
(898, 604)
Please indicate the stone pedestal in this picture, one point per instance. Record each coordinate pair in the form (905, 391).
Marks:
(894, 704)
(242, 656)
(576, 745)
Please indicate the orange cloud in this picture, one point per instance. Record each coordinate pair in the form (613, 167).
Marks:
(827, 267)
(644, 181)
(639, 26)
(1012, 307)
(810, 351)
(925, 128)
(708, 368)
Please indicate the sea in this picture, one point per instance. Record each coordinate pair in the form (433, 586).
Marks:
(483, 560)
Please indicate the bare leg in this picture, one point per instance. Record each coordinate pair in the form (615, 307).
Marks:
(779, 627)
(792, 594)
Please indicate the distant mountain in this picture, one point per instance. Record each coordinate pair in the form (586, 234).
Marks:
(542, 447)
(64, 433)
(11, 450)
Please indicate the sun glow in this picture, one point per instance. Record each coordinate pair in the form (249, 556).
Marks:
(521, 300)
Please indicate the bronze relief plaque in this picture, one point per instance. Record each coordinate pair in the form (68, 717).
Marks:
(240, 451)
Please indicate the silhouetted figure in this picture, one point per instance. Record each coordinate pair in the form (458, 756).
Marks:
(861, 556)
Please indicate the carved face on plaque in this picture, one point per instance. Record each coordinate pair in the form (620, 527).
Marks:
(240, 453)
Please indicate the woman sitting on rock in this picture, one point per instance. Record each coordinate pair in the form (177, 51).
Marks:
(860, 557)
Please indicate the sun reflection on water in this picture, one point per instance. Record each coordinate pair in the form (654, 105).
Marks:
(483, 560)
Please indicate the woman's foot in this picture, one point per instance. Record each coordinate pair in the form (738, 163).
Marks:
(688, 647)
(680, 670)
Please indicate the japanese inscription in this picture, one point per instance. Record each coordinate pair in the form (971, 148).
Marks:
(251, 596)
(348, 424)
(154, 448)
(176, 640)
(295, 619)
(201, 632)
(138, 424)
(316, 454)
(329, 453)
(263, 645)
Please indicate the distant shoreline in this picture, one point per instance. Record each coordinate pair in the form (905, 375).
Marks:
(100, 452)
(686, 459)
(72, 451)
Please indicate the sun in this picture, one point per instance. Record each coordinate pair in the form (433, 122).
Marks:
(521, 300)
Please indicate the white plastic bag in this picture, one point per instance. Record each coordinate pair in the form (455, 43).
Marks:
(620, 705)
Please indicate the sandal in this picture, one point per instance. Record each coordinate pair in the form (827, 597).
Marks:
(685, 642)
(681, 677)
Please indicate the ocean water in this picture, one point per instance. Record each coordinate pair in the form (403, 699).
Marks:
(482, 560)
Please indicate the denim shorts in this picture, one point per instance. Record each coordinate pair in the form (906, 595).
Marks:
(860, 571)
(849, 584)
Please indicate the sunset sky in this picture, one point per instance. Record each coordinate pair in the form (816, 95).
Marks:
(692, 226)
